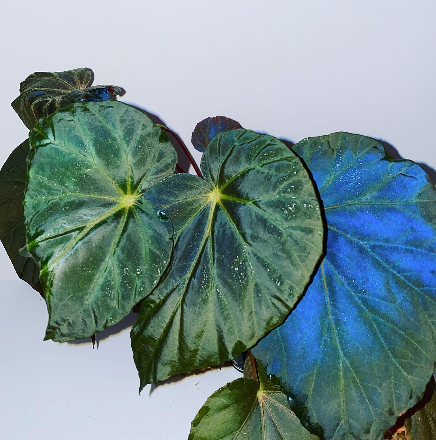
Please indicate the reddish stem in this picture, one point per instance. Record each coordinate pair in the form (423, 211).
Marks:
(180, 169)
(184, 148)
(253, 366)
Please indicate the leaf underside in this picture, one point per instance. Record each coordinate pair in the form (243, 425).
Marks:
(13, 177)
(359, 348)
(100, 245)
(42, 93)
(243, 255)
(245, 409)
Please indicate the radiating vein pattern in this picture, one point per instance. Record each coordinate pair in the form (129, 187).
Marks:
(359, 348)
(248, 236)
(243, 409)
(100, 245)
(42, 93)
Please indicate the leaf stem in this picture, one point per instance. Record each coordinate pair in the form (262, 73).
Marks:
(253, 366)
(184, 148)
(180, 169)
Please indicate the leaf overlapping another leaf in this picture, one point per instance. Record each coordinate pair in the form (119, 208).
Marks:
(359, 348)
(208, 128)
(100, 245)
(247, 409)
(247, 239)
(42, 93)
(422, 424)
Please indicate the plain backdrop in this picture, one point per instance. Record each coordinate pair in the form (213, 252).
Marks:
(290, 68)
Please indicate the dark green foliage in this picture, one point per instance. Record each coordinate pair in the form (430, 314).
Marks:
(247, 409)
(422, 424)
(12, 231)
(100, 245)
(327, 252)
(243, 256)
(42, 93)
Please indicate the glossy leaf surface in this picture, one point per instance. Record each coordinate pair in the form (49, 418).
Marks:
(359, 348)
(13, 177)
(208, 128)
(100, 245)
(42, 93)
(422, 424)
(248, 237)
(246, 409)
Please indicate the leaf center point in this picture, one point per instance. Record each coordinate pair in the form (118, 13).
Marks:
(214, 196)
(128, 200)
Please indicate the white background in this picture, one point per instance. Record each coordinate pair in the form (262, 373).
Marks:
(293, 69)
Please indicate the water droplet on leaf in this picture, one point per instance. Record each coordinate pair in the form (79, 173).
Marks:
(162, 215)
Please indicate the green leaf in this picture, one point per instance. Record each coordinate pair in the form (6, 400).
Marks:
(42, 93)
(359, 348)
(248, 238)
(100, 245)
(422, 424)
(246, 409)
(13, 177)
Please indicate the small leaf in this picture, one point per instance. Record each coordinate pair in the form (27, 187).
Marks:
(422, 424)
(100, 245)
(42, 93)
(248, 239)
(13, 177)
(359, 348)
(208, 128)
(245, 409)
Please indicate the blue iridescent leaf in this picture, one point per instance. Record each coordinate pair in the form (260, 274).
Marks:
(359, 348)
(208, 128)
